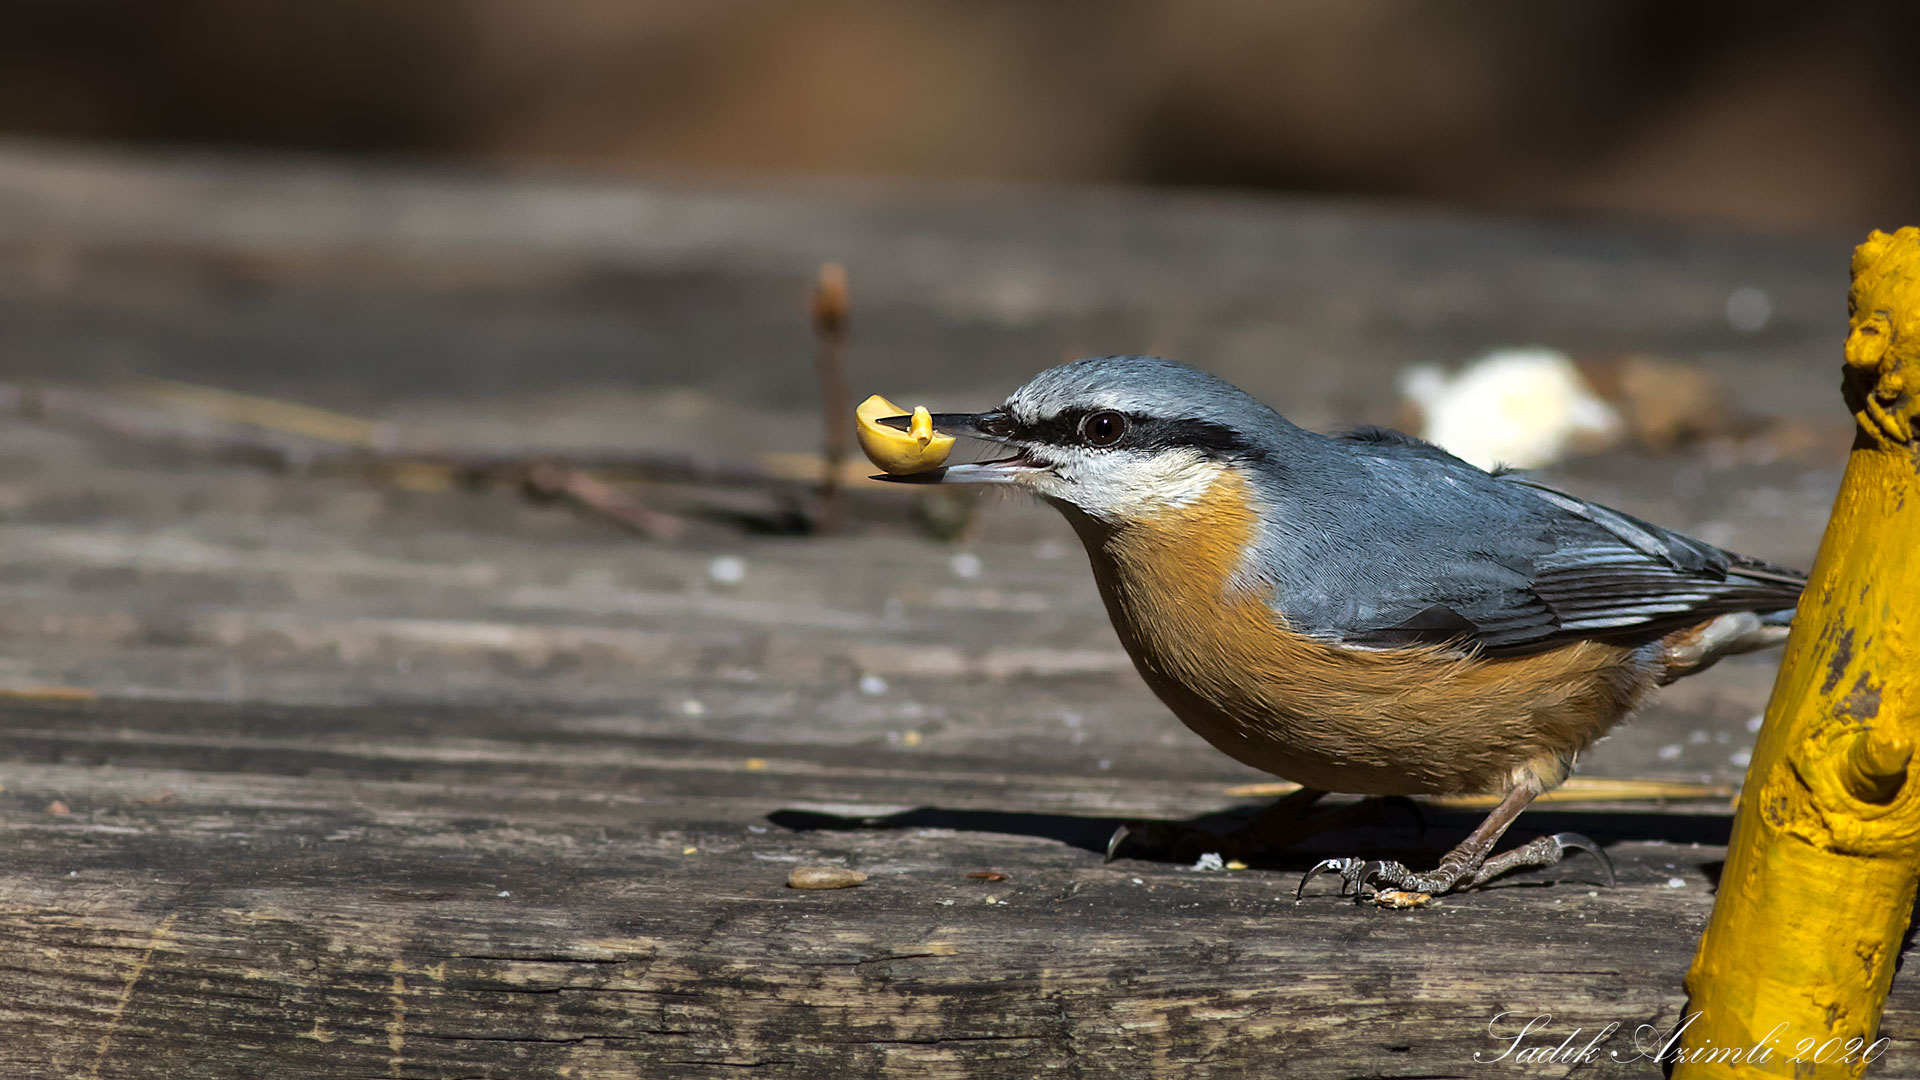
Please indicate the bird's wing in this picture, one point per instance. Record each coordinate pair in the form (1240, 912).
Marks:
(1594, 573)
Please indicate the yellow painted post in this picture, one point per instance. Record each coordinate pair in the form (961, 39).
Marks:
(1819, 882)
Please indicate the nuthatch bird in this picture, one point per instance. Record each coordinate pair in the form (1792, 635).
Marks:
(1365, 613)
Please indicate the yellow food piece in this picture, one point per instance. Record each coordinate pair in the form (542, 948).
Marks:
(900, 452)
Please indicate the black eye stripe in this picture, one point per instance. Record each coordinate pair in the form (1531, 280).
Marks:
(1143, 433)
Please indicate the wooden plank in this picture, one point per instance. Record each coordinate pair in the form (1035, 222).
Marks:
(450, 912)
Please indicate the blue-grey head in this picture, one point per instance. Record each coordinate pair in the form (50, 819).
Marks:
(1115, 437)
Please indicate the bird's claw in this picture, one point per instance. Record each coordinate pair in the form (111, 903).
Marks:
(1349, 870)
(1369, 877)
(1568, 841)
(1575, 842)
(1119, 836)
(1373, 876)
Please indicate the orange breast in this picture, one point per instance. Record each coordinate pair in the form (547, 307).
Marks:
(1408, 721)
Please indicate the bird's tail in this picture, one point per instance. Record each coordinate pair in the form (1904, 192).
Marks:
(1699, 647)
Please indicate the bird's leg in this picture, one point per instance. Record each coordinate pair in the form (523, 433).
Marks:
(1279, 826)
(1467, 865)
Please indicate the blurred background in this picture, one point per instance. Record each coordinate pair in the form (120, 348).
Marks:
(1766, 115)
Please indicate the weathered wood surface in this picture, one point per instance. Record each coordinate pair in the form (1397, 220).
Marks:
(401, 783)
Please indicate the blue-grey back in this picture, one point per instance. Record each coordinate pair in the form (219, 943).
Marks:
(1380, 538)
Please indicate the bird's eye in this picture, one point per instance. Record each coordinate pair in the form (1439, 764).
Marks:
(1103, 428)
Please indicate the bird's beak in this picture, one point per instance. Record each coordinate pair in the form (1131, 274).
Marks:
(988, 426)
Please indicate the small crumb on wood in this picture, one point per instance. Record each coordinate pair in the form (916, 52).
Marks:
(987, 875)
(823, 877)
(58, 808)
(1400, 899)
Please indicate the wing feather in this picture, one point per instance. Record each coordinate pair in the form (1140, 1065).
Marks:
(1600, 574)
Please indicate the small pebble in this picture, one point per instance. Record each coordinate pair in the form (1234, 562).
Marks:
(1139, 881)
(1754, 722)
(1742, 758)
(1671, 751)
(1210, 861)
(693, 707)
(872, 685)
(823, 877)
(1676, 883)
(757, 830)
(504, 892)
(728, 570)
(965, 565)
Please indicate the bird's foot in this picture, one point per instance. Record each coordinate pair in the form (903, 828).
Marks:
(1274, 829)
(1358, 876)
(1542, 851)
(1458, 869)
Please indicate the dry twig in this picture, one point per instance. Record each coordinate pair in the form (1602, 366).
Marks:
(830, 310)
(602, 498)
